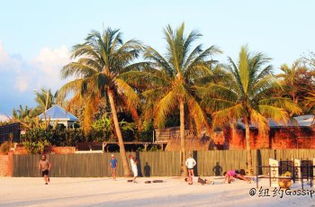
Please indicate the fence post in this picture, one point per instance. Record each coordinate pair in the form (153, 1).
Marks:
(257, 176)
(297, 164)
(274, 172)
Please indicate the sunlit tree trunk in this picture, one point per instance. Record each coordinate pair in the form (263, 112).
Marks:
(248, 151)
(182, 136)
(119, 134)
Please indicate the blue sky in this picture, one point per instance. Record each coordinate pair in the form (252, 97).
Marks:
(36, 36)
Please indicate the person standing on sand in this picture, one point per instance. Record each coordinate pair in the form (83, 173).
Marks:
(44, 166)
(113, 165)
(190, 164)
(134, 168)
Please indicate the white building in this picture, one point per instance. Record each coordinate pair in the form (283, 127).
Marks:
(57, 115)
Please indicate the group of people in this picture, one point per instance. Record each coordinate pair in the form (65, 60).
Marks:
(133, 163)
(229, 176)
(45, 166)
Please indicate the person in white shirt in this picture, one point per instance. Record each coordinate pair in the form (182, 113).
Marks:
(190, 164)
(134, 167)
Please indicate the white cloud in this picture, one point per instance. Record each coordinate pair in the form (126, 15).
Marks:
(3, 55)
(19, 77)
(4, 118)
(43, 71)
(8, 62)
(22, 83)
(50, 61)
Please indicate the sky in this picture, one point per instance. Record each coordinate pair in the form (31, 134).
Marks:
(36, 37)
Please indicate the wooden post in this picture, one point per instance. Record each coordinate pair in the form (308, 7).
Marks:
(298, 170)
(313, 166)
(274, 172)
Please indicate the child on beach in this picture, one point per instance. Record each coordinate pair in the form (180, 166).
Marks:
(231, 174)
(190, 164)
(113, 166)
(134, 167)
(44, 166)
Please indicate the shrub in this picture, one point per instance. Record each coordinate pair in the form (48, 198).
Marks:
(36, 147)
(5, 147)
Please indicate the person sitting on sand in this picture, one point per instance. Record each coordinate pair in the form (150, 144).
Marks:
(204, 181)
(134, 167)
(231, 174)
(190, 164)
(44, 166)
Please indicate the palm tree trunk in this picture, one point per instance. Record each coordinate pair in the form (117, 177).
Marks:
(247, 139)
(182, 136)
(118, 133)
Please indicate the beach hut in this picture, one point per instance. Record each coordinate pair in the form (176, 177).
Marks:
(56, 115)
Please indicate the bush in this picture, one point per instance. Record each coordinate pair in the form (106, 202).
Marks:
(36, 147)
(62, 137)
(5, 147)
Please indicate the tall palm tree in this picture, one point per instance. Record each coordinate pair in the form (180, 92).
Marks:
(171, 80)
(247, 96)
(98, 64)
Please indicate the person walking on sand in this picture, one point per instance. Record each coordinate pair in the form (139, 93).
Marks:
(113, 165)
(190, 164)
(44, 166)
(134, 168)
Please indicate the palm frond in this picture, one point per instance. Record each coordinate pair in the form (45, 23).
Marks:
(164, 107)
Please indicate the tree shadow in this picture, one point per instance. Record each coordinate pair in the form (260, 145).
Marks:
(139, 165)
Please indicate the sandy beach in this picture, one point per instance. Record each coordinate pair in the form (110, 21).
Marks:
(97, 192)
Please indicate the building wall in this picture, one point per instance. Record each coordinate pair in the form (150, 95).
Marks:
(283, 138)
(6, 165)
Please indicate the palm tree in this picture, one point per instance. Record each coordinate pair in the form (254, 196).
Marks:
(21, 112)
(310, 102)
(98, 64)
(296, 80)
(25, 116)
(170, 80)
(247, 96)
(44, 99)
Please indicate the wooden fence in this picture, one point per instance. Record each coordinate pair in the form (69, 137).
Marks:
(154, 163)
(97, 164)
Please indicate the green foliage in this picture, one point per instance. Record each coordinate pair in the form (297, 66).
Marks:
(103, 124)
(127, 126)
(146, 134)
(170, 79)
(22, 112)
(44, 99)
(154, 149)
(57, 137)
(5, 147)
(247, 95)
(36, 147)
(102, 128)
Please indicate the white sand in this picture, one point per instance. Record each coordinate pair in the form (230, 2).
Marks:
(97, 192)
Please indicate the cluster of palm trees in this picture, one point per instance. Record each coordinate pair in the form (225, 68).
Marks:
(26, 115)
(128, 76)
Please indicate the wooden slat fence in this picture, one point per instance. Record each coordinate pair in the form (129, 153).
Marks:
(97, 164)
(209, 163)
